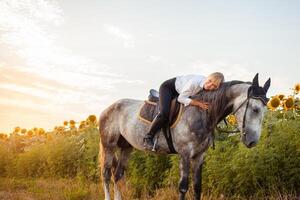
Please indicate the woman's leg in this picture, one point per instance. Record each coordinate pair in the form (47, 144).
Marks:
(166, 93)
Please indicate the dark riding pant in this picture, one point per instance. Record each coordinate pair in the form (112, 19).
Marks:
(167, 92)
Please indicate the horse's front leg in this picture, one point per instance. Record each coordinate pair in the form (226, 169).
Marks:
(197, 163)
(184, 176)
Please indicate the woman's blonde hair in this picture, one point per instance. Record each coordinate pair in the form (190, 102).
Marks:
(217, 76)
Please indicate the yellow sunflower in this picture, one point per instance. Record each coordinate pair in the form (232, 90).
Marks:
(231, 119)
(23, 131)
(81, 126)
(17, 129)
(288, 103)
(297, 88)
(274, 103)
(281, 96)
(41, 131)
(92, 118)
(60, 128)
(35, 130)
(30, 133)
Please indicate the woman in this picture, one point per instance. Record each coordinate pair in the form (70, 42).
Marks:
(182, 87)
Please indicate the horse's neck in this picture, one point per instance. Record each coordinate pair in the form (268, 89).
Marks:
(237, 94)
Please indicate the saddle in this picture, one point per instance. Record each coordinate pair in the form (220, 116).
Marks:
(150, 109)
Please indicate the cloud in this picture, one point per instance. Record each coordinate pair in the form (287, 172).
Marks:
(66, 84)
(26, 26)
(126, 38)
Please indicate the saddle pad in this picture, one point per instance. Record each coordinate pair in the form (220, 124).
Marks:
(149, 110)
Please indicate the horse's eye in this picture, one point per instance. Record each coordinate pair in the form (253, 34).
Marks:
(256, 110)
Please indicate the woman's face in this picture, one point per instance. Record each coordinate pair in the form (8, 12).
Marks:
(211, 84)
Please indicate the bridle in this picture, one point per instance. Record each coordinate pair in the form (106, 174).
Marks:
(250, 95)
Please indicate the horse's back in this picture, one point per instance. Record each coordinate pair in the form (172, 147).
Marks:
(110, 117)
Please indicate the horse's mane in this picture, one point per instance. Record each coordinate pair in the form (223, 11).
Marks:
(218, 101)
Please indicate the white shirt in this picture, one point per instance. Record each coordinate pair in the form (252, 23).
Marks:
(188, 85)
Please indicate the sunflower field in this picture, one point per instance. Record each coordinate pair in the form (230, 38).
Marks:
(271, 170)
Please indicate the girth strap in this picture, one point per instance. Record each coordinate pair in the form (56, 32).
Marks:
(168, 136)
(166, 129)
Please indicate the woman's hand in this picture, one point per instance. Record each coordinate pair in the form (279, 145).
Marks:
(200, 104)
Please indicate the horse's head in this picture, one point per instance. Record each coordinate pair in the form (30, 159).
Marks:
(249, 108)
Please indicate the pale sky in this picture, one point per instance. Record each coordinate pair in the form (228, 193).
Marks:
(62, 60)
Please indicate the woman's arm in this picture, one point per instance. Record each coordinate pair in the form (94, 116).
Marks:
(189, 90)
(200, 104)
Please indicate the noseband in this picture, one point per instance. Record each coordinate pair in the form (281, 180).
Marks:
(252, 94)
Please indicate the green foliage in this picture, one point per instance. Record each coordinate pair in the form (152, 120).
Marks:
(273, 165)
(89, 151)
(231, 169)
(5, 158)
(63, 156)
(147, 171)
(32, 163)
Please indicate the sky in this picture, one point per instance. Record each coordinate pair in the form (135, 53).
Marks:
(63, 60)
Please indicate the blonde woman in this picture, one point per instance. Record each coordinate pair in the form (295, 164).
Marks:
(181, 87)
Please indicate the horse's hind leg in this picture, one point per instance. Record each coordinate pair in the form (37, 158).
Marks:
(126, 149)
(107, 157)
(122, 164)
(108, 161)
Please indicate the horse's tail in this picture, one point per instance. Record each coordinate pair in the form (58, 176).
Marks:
(101, 155)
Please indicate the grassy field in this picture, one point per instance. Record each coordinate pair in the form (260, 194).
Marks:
(76, 189)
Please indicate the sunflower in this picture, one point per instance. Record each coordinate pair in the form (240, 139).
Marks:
(23, 131)
(72, 123)
(81, 126)
(66, 123)
(288, 103)
(281, 96)
(231, 119)
(274, 103)
(41, 131)
(297, 88)
(92, 118)
(60, 128)
(35, 130)
(17, 129)
(30, 133)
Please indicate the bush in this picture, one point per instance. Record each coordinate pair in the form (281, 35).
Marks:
(5, 159)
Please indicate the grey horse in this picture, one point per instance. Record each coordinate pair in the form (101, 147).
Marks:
(120, 128)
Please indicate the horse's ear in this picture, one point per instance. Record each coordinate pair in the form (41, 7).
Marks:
(255, 81)
(267, 85)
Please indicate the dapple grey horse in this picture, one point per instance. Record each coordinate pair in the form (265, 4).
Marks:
(120, 128)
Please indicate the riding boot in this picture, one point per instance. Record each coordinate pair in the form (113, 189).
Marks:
(157, 123)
